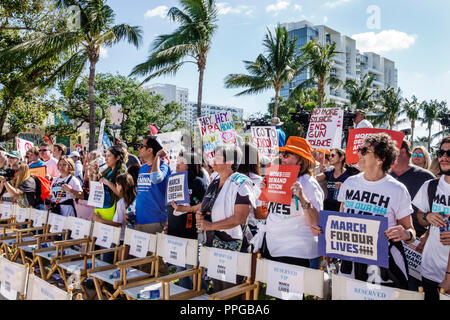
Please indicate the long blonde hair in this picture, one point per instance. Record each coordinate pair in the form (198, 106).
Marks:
(23, 174)
(426, 155)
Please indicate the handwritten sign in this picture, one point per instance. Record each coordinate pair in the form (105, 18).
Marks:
(139, 244)
(285, 281)
(325, 128)
(356, 238)
(266, 140)
(279, 180)
(171, 142)
(38, 171)
(216, 129)
(359, 290)
(177, 188)
(105, 237)
(175, 251)
(96, 194)
(414, 260)
(356, 139)
(222, 265)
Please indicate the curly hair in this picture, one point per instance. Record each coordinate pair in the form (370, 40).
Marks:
(384, 148)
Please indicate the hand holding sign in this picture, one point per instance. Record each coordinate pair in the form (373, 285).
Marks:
(397, 233)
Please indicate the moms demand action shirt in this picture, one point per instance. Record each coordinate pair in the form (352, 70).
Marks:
(435, 254)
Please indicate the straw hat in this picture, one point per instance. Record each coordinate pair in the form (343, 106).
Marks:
(300, 147)
(276, 121)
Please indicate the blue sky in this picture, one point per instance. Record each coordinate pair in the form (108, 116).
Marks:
(413, 33)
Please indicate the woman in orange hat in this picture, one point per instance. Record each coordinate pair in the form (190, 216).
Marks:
(288, 237)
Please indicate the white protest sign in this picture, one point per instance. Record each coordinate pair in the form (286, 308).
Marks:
(22, 214)
(23, 146)
(96, 194)
(414, 260)
(222, 265)
(175, 251)
(139, 244)
(359, 290)
(105, 237)
(285, 281)
(325, 128)
(216, 129)
(100, 136)
(171, 142)
(80, 228)
(266, 140)
(57, 222)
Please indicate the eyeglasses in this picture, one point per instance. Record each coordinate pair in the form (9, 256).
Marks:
(43, 150)
(440, 153)
(364, 150)
(141, 145)
(420, 155)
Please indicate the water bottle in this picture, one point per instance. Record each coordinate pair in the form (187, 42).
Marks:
(447, 222)
(149, 295)
(115, 275)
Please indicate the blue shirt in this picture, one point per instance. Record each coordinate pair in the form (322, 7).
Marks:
(40, 163)
(151, 194)
(281, 137)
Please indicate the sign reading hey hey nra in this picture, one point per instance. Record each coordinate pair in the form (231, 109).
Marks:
(325, 128)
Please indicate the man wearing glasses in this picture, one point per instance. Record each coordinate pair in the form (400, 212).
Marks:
(46, 154)
(434, 211)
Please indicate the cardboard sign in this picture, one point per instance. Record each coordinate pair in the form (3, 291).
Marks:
(177, 188)
(266, 140)
(356, 238)
(285, 281)
(171, 142)
(216, 129)
(175, 251)
(325, 128)
(356, 139)
(359, 290)
(23, 146)
(222, 265)
(414, 260)
(96, 194)
(139, 244)
(38, 171)
(279, 180)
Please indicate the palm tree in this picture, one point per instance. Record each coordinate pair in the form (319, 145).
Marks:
(192, 39)
(430, 115)
(361, 94)
(271, 71)
(319, 60)
(389, 108)
(422, 141)
(411, 109)
(79, 46)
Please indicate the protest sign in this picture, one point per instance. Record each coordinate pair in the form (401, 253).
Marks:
(38, 171)
(216, 129)
(23, 146)
(100, 136)
(325, 128)
(414, 260)
(266, 140)
(177, 188)
(171, 142)
(222, 265)
(279, 180)
(78, 147)
(285, 281)
(175, 251)
(356, 238)
(356, 139)
(96, 194)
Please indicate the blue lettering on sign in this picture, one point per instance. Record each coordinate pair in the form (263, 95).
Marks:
(370, 294)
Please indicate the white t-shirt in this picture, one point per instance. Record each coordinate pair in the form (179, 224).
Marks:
(257, 182)
(364, 124)
(205, 177)
(52, 167)
(119, 216)
(288, 233)
(58, 193)
(435, 254)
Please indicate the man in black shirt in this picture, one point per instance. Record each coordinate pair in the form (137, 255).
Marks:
(132, 159)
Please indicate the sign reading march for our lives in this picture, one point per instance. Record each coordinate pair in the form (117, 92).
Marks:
(171, 142)
(279, 180)
(325, 128)
(177, 188)
(356, 238)
(356, 139)
(216, 129)
(266, 140)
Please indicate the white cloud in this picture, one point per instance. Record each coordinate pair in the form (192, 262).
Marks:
(298, 7)
(103, 52)
(225, 8)
(280, 5)
(383, 41)
(325, 19)
(160, 11)
(334, 4)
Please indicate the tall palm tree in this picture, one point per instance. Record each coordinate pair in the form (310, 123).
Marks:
(277, 66)
(81, 46)
(319, 61)
(361, 94)
(192, 39)
(411, 110)
(430, 115)
(389, 108)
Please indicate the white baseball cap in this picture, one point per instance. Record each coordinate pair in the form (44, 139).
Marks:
(74, 154)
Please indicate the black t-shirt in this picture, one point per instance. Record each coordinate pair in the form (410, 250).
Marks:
(28, 187)
(331, 202)
(184, 225)
(132, 159)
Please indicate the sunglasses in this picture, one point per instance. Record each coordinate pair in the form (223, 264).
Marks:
(440, 153)
(43, 150)
(332, 155)
(420, 155)
(364, 150)
(286, 154)
(141, 145)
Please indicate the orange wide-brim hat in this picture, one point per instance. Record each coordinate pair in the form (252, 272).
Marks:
(300, 147)
(324, 151)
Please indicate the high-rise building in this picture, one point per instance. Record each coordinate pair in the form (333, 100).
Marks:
(348, 64)
(209, 109)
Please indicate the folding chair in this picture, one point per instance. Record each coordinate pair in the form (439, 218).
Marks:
(7, 240)
(290, 282)
(344, 288)
(38, 289)
(7, 216)
(173, 250)
(13, 277)
(126, 271)
(443, 295)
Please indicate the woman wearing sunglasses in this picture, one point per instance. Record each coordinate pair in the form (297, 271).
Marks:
(421, 157)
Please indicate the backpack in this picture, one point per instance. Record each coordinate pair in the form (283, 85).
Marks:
(432, 188)
(42, 188)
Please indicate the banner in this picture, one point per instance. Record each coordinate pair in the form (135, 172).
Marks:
(356, 238)
(279, 180)
(414, 260)
(356, 139)
(100, 136)
(177, 188)
(266, 140)
(216, 129)
(325, 128)
(23, 146)
(38, 171)
(171, 142)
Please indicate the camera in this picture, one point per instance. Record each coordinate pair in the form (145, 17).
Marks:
(445, 121)
(348, 119)
(300, 116)
(257, 123)
(7, 173)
